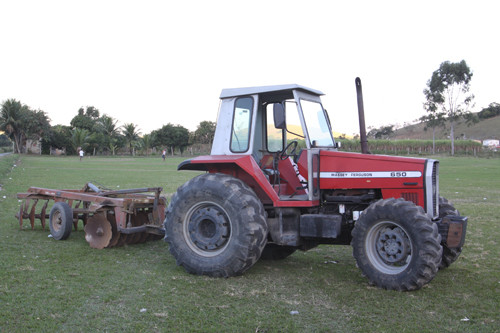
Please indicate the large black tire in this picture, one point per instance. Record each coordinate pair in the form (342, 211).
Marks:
(449, 255)
(396, 245)
(60, 220)
(215, 225)
(276, 252)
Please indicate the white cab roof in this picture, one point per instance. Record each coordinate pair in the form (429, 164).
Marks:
(226, 93)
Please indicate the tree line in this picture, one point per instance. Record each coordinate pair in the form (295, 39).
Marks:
(93, 132)
(447, 101)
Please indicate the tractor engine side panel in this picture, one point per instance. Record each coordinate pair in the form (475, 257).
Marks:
(394, 176)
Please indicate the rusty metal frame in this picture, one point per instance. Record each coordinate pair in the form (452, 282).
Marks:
(124, 203)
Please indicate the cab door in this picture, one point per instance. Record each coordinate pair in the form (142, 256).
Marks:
(317, 132)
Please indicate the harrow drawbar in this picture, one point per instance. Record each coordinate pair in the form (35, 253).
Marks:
(110, 218)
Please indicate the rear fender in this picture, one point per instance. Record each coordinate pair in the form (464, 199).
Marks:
(242, 167)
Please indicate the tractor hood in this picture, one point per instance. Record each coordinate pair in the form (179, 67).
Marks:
(353, 170)
(394, 176)
(414, 179)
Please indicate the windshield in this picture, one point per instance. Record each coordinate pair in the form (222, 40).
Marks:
(317, 124)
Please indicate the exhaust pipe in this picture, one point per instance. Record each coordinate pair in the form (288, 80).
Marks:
(361, 115)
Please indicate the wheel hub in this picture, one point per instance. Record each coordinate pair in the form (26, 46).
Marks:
(392, 245)
(57, 221)
(208, 228)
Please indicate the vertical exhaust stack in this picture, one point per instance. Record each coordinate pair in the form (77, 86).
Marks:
(361, 114)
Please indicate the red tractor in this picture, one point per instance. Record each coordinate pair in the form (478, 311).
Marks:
(276, 182)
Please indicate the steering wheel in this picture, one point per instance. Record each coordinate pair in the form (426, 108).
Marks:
(284, 155)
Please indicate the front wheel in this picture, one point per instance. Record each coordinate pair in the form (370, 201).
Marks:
(215, 225)
(396, 245)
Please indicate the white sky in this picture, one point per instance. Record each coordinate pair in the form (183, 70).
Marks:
(158, 62)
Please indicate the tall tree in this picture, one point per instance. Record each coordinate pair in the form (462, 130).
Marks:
(11, 121)
(173, 137)
(36, 124)
(86, 118)
(62, 138)
(21, 123)
(131, 134)
(205, 132)
(448, 90)
(181, 137)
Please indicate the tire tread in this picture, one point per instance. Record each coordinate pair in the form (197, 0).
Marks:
(424, 264)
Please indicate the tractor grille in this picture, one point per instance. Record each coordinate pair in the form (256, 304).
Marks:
(432, 188)
(435, 192)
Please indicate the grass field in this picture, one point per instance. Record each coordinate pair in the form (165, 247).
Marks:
(66, 286)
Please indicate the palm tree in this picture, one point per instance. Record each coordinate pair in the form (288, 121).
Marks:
(10, 121)
(79, 138)
(112, 146)
(108, 125)
(131, 133)
(146, 142)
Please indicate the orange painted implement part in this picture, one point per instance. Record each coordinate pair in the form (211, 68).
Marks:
(111, 218)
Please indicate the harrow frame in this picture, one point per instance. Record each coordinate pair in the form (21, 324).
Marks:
(135, 215)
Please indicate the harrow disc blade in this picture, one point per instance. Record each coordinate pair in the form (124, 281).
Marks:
(98, 231)
(115, 234)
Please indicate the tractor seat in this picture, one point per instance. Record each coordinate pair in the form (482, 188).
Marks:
(285, 177)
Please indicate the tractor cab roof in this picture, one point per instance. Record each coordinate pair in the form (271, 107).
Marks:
(284, 89)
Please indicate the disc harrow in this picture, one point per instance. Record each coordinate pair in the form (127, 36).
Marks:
(110, 218)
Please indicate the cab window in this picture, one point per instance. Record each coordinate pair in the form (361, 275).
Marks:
(242, 118)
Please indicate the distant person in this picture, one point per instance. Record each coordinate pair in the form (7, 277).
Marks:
(81, 154)
(163, 153)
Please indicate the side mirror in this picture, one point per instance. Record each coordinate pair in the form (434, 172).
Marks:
(279, 116)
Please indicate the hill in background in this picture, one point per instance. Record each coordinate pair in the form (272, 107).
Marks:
(484, 129)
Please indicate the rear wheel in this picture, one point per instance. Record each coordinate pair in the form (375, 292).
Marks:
(396, 245)
(60, 220)
(449, 255)
(215, 225)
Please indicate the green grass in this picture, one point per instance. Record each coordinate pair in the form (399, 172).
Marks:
(66, 286)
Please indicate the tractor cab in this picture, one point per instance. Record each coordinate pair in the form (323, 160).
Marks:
(282, 128)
